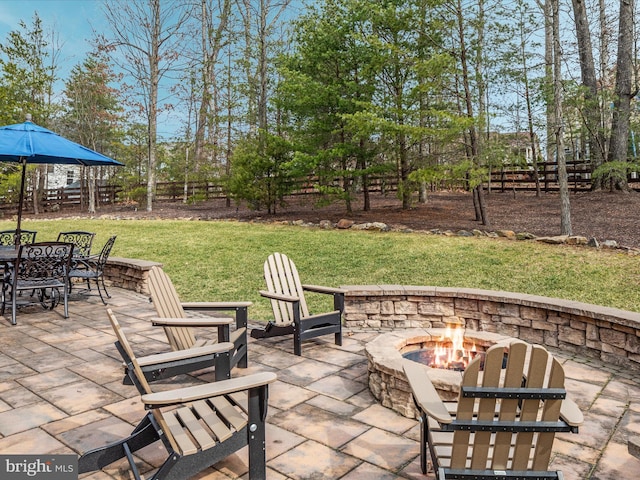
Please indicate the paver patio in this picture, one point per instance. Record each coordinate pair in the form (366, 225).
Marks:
(61, 391)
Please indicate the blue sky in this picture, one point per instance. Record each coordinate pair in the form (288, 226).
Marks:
(72, 20)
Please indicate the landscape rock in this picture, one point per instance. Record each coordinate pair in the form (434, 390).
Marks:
(375, 226)
(555, 240)
(610, 244)
(577, 240)
(510, 234)
(344, 224)
(525, 236)
(593, 242)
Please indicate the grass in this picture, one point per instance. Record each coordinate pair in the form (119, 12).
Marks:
(223, 260)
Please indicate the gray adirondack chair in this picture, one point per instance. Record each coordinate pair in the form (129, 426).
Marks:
(290, 311)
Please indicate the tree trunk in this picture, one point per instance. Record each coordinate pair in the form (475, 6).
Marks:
(154, 78)
(624, 92)
(548, 61)
(91, 184)
(473, 132)
(592, 115)
(565, 208)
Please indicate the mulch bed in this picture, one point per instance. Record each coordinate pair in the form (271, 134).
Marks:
(599, 215)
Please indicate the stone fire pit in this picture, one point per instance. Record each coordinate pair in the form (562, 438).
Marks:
(387, 380)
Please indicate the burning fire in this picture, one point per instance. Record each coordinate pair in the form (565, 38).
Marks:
(450, 353)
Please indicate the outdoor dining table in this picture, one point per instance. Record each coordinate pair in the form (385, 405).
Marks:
(8, 254)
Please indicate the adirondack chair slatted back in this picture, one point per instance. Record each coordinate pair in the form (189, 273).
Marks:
(137, 371)
(126, 346)
(529, 367)
(166, 301)
(281, 276)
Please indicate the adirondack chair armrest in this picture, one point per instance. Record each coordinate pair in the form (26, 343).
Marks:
(321, 289)
(424, 393)
(191, 322)
(219, 306)
(279, 296)
(190, 353)
(570, 413)
(209, 390)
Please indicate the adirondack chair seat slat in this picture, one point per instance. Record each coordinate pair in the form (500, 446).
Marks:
(208, 415)
(191, 426)
(184, 444)
(229, 413)
(240, 399)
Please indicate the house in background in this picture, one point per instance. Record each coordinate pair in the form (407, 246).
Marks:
(521, 145)
(60, 176)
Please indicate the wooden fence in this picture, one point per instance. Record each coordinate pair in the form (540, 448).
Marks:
(506, 180)
(579, 176)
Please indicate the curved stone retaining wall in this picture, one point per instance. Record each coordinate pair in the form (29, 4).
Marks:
(608, 334)
(129, 273)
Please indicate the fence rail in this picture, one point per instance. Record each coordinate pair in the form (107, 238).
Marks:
(579, 178)
(507, 179)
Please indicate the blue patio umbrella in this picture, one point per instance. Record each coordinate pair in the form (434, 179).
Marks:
(27, 142)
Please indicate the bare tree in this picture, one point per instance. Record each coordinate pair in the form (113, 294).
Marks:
(624, 90)
(473, 150)
(259, 19)
(565, 207)
(214, 18)
(592, 114)
(150, 41)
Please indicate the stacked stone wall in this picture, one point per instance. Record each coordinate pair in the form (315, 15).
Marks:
(608, 334)
(129, 273)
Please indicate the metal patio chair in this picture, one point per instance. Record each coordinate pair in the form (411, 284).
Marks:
(91, 269)
(41, 269)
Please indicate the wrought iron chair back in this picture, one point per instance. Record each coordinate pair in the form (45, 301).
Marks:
(92, 268)
(41, 268)
(41, 262)
(8, 237)
(81, 241)
(104, 255)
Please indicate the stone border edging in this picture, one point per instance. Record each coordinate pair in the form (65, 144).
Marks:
(574, 240)
(605, 333)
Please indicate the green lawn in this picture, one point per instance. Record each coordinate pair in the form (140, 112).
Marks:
(223, 260)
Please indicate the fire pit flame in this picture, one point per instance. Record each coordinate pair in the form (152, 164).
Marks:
(448, 353)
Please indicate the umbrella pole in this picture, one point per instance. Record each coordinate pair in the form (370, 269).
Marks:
(21, 200)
